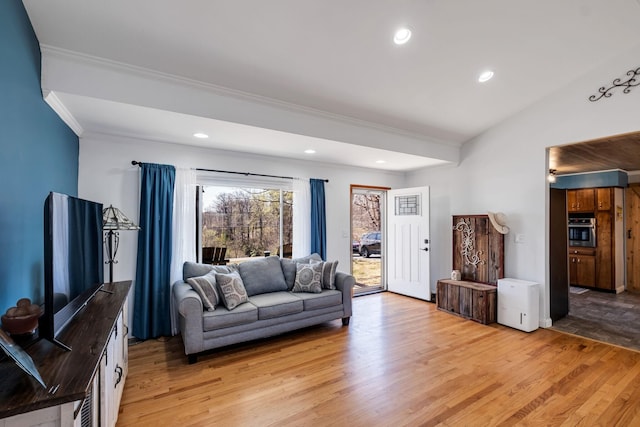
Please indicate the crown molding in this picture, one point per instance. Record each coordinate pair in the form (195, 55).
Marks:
(56, 104)
(233, 93)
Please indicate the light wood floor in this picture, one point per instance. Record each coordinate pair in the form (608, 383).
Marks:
(400, 362)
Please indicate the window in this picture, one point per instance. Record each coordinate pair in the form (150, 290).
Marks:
(407, 205)
(246, 221)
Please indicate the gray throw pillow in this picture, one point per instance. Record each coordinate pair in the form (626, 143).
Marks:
(194, 269)
(232, 290)
(262, 275)
(205, 286)
(328, 280)
(308, 278)
(289, 267)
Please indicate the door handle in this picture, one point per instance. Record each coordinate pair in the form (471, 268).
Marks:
(425, 249)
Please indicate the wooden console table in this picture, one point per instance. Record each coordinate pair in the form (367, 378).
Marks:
(84, 385)
(471, 300)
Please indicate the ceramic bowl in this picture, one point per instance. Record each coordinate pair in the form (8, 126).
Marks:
(21, 324)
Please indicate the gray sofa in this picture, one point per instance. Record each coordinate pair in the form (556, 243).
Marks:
(275, 302)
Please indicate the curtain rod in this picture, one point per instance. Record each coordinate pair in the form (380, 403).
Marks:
(134, 162)
(250, 174)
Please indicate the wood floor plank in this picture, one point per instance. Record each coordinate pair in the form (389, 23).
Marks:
(401, 362)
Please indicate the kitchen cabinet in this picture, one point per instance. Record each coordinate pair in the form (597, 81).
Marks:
(603, 197)
(601, 267)
(582, 267)
(581, 200)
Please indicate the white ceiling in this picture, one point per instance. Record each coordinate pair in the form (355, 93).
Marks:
(107, 117)
(338, 57)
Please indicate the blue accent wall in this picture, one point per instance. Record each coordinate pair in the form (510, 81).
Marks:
(39, 154)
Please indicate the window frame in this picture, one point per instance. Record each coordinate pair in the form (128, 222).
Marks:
(215, 179)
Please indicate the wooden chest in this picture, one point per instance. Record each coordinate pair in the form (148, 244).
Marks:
(471, 300)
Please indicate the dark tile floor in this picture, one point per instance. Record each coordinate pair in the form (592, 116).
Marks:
(612, 318)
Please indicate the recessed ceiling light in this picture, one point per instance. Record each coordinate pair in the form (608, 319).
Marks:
(485, 76)
(201, 135)
(381, 161)
(310, 151)
(402, 36)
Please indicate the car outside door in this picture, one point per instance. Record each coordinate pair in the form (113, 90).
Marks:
(370, 244)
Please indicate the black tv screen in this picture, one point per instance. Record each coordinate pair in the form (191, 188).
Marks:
(73, 259)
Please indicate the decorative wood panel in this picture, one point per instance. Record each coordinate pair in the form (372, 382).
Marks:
(633, 237)
(604, 251)
(484, 246)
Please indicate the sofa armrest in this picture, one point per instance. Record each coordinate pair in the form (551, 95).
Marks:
(190, 312)
(345, 283)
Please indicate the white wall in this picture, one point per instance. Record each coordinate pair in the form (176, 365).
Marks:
(502, 170)
(505, 169)
(106, 175)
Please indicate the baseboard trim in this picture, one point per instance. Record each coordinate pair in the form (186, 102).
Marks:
(546, 323)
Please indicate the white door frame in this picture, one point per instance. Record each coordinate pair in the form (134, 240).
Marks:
(354, 189)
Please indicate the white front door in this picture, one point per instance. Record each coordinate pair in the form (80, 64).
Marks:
(408, 242)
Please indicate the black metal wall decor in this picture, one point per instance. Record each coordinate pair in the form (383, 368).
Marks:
(628, 84)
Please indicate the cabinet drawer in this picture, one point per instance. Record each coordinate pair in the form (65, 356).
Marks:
(581, 251)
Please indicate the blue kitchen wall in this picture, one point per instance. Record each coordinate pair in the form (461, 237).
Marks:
(39, 154)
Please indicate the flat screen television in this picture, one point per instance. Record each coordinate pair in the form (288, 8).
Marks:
(73, 260)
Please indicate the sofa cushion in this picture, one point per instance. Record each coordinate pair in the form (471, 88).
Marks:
(327, 298)
(308, 278)
(328, 279)
(232, 291)
(206, 287)
(223, 318)
(289, 267)
(262, 275)
(276, 304)
(194, 269)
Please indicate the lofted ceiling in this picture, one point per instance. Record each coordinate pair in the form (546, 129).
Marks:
(338, 58)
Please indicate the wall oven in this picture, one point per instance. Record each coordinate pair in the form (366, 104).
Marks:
(582, 232)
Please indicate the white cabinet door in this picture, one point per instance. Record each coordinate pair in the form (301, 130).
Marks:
(107, 381)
